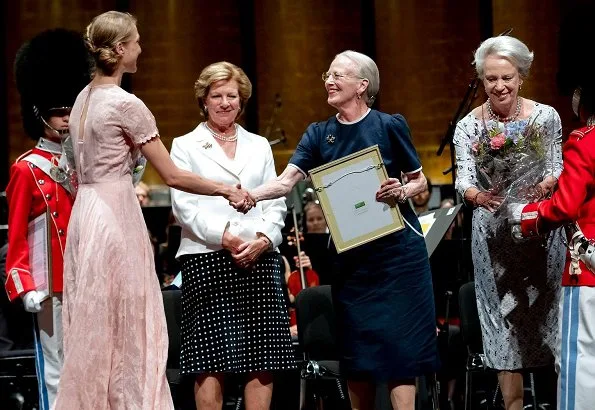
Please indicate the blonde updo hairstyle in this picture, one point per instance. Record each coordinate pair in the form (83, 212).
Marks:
(103, 35)
(218, 72)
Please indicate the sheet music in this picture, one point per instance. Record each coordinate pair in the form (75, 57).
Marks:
(426, 221)
(434, 225)
(39, 260)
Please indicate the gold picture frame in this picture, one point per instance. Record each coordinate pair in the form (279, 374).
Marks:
(346, 189)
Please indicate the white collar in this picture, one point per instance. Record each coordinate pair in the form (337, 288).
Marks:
(50, 146)
(356, 121)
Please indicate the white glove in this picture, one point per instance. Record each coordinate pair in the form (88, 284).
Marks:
(514, 221)
(32, 301)
(514, 213)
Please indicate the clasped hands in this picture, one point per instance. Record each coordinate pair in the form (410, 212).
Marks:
(244, 253)
(391, 190)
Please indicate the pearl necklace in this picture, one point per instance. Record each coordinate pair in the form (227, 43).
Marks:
(495, 117)
(226, 138)
(591, 120)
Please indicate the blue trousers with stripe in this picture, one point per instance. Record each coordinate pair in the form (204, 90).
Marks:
(575, 358)
(48, 350)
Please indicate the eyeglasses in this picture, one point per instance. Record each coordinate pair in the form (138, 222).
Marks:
(338, 76)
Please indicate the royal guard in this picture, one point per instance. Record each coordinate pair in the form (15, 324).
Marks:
(50, 71)
(573, 205)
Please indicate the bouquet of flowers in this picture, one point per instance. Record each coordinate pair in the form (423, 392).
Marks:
(511, 158)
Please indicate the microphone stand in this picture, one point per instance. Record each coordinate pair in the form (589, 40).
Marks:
(279, 140)
(462, 110)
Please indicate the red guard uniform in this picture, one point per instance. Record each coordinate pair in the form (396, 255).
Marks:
(574, 201)
(50, 71)
(29, 193)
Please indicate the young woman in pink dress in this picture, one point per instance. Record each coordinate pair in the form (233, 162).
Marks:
(115, 336)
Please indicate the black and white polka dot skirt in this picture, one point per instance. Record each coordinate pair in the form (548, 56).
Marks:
(233, 320)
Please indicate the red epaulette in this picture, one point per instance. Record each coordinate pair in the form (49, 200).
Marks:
(582, 132)
(23, 155)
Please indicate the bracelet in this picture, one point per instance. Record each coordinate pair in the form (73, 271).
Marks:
(267, 241)
(474, 199)
(404, 190)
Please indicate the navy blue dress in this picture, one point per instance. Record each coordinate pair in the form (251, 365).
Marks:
(383, 289)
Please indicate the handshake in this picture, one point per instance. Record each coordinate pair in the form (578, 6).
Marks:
(240, 199)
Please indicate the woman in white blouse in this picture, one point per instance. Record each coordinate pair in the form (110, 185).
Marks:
(234, 315)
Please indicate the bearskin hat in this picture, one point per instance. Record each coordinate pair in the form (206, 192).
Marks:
(576, 43)
(50, 71)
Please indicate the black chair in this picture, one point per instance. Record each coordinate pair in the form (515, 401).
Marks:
(320, 370)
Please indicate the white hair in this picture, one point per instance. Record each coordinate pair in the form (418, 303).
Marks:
(507, 47)
(367, 69)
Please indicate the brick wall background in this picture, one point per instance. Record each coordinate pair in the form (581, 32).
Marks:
(423, 50)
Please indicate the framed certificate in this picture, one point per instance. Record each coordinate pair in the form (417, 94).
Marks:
(346, 189)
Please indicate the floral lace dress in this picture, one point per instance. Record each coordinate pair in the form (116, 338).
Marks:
(115, 334)
(517, 284)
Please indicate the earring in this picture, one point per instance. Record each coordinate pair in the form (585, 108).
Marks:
(520, 87)
(206, 109)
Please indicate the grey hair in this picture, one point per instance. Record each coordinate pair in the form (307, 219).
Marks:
(514, 50)
(367, 69)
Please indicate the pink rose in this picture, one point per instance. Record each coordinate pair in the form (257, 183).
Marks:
(497, 141)
(475, 147)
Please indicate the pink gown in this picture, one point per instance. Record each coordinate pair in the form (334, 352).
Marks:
(115, 335)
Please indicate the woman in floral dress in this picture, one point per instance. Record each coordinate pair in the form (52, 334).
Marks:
(508, 151)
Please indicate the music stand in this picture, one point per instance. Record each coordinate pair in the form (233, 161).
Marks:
(435, 223)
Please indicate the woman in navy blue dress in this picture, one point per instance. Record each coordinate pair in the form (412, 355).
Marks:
(383, 292)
